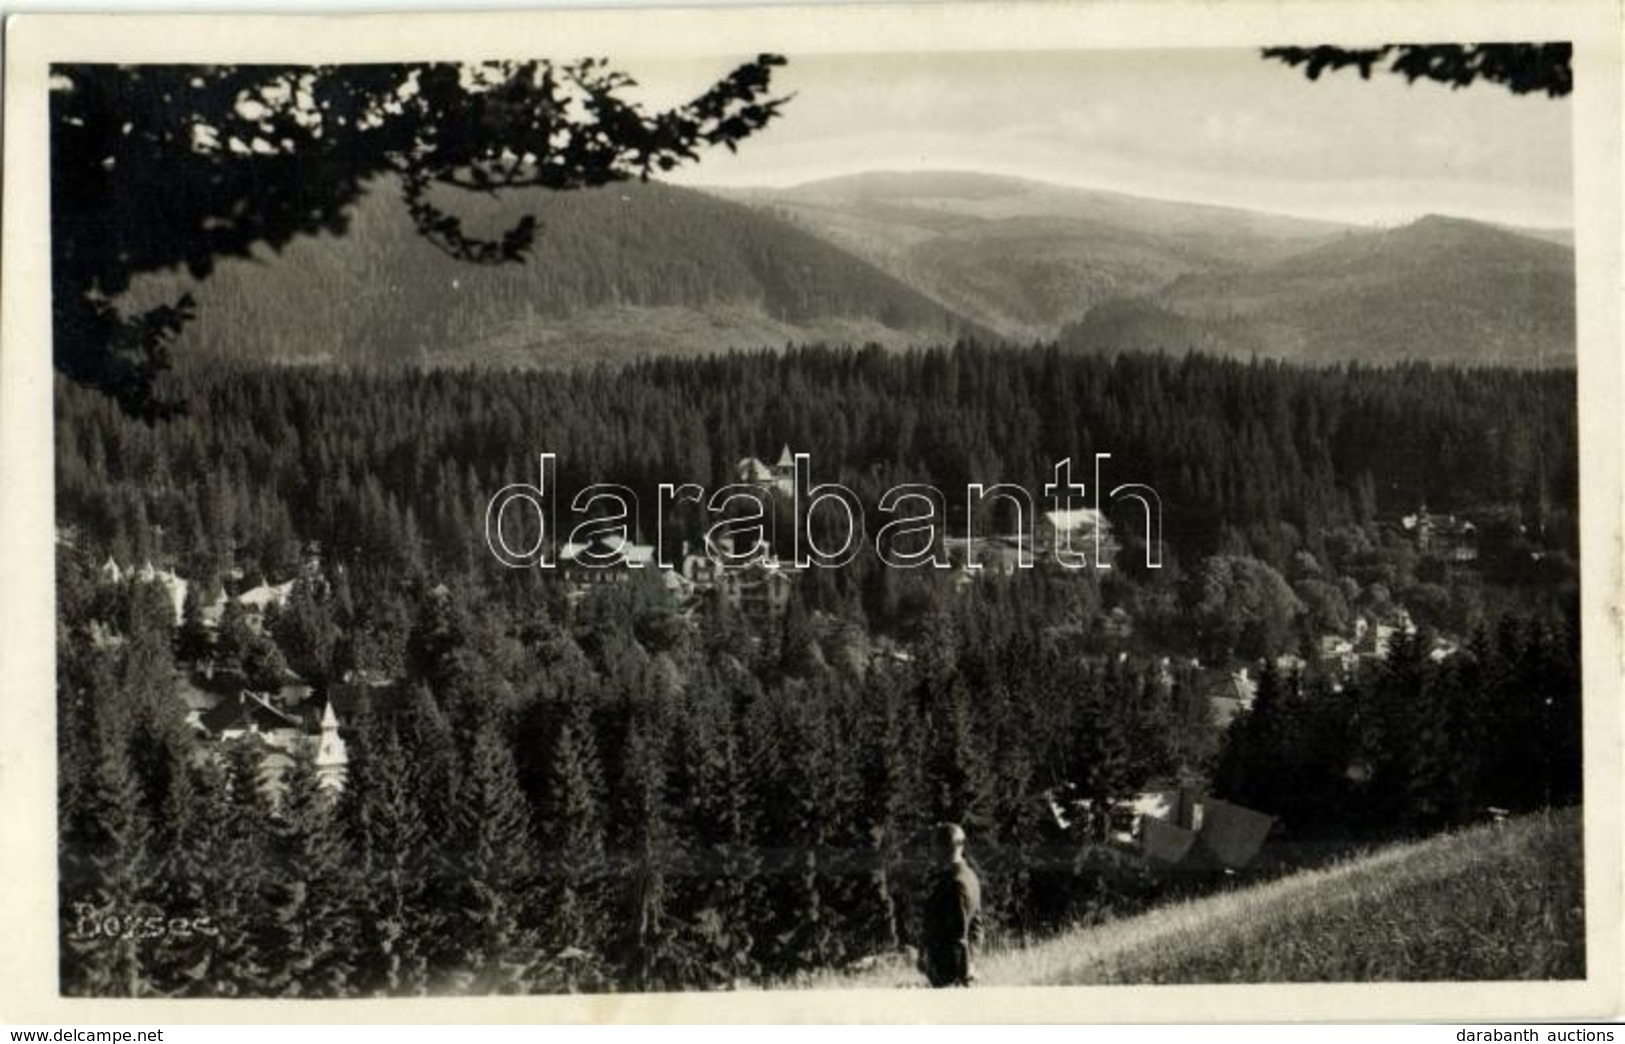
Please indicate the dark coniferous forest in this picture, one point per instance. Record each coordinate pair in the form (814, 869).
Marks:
(554, 788)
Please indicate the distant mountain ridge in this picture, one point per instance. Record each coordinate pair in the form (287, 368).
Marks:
(1024, 257)
(896, 259)
(1109, 272)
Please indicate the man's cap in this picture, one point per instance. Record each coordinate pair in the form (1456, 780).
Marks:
(947, 834)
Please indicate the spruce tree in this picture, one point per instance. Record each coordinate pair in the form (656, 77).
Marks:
(956, 767)
(711, 800)
(1100, 755)
(496, 870)
(306, 633)
(240, 907)
(791, 755)
(433, 777)
(648, 951)
(184, 880)
(391, 846)
(313, 894)
(798, 653)
(881, 772)
(572, 834)
(1016, 856)
(1403, 766)
(233, 637)
(107, 879)
(194, 643)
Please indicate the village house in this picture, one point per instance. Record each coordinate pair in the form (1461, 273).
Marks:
(1336, 651)
(705, 569)
(250, 713)
(1442, 649)
(1165, 801)
(1289, 664)
(780, 477)
(1171, 825)
(577, 560)
(174, 587)
(1076, 529)
(1203, 832)
(752, 472)
(1373, 637)
(1454, 538)
(961, 551)
(256, 602)
(759, 589)
(281, 723)
(1228, 694)
(988, 556)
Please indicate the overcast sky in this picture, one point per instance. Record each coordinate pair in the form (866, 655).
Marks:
(1219, 126)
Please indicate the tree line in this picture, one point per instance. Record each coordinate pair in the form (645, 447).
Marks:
(1281, 487)
(1418, 745)
(397, 466)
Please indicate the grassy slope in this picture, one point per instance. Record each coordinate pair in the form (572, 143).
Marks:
(1492, 903)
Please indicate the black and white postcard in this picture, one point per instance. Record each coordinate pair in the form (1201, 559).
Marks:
(940, 512)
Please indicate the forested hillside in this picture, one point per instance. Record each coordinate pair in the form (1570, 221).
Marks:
(620, 272)
(1439, 289)
(557, 786)
(483, 566)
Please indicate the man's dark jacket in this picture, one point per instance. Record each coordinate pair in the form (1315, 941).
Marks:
(952, 924)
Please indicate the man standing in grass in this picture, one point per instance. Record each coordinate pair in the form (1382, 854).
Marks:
(953, 908)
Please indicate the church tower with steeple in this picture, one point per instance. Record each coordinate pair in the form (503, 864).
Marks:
(784, 472)
(332, 760)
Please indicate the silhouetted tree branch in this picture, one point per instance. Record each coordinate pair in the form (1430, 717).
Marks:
(1520, 68)
(161, 167)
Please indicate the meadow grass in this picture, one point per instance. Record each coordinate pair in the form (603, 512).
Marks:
(1489, 903)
